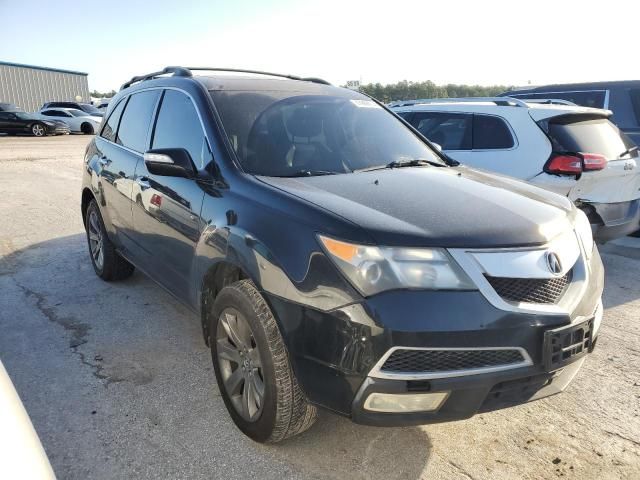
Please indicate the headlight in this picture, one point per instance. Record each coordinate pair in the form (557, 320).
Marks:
(583, 229)
(376, 269)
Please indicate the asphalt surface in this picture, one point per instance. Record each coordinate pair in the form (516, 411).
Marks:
(119, 384)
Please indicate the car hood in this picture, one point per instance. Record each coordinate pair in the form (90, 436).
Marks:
(435, 206)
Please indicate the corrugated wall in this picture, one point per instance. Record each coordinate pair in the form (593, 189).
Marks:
(29, 88)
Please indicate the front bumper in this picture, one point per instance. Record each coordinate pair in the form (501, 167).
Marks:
(58, 130)
(613, 220)
(335, 353)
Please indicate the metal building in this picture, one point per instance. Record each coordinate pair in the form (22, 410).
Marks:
(28, 86)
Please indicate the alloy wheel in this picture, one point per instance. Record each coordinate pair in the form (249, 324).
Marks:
(96, 243)
(37, 130)
(240, 364)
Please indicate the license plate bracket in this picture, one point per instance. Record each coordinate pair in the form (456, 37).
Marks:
(564, 345)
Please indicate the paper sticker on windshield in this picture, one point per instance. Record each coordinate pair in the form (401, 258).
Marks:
(365, 103)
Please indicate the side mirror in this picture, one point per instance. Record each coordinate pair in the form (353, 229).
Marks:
(170, 162)
(437, 146)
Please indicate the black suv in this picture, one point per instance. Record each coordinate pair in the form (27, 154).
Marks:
(335, 258)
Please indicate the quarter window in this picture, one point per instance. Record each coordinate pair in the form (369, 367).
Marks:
(178, 125)
(491, 133)
(111, 126)
(635, 102)
(452, 131)
(134, 126)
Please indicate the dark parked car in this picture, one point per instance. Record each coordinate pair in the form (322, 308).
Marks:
(16, 122)
(622, 98)
(85, 107)
(315, 234)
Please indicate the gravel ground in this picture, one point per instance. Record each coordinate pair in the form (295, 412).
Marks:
(119, 384)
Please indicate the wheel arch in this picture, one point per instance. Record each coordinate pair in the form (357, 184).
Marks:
(217, 276)
(87, 196)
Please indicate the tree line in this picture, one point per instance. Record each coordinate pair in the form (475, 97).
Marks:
(406, 90)
(97, 94)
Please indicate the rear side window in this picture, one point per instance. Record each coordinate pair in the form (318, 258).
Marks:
(178, 125)
(491, 133)
(634, 93)
(134, 126)
(589, 135)
(452, 131)
(111, 126)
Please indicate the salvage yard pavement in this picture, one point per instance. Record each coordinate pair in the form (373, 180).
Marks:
(119, 384)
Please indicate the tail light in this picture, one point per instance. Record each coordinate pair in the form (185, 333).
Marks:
(593, 161)
(575, 163)
(156, 200)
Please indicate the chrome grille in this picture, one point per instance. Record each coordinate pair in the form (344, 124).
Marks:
(530, 290)
(424, 361)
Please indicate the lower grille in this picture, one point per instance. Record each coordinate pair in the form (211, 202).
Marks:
(427, 361)
(515, 392)
(530, 290)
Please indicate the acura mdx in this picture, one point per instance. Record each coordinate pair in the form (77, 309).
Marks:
(334, 257)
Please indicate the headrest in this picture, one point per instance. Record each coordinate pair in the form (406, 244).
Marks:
(305, 122)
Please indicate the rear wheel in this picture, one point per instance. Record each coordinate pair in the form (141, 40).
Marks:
(107, 263)
(252, 367)
(38, 130)
(86, 128)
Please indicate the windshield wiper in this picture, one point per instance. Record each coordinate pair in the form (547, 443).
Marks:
(629, 150)
(415, 162)
(307, 173)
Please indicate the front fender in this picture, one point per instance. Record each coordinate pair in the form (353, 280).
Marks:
(320, 287)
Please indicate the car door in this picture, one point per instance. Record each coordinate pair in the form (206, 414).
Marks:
(166, 212)
(7, 122)
(475, 139)
(57, 115)
(120, 146)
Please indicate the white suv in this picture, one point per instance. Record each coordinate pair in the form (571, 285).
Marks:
(575, 151)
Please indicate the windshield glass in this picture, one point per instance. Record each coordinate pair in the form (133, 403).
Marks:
(77, 113)
(597, 135)
(278, 133)
(24, 115)
(90, 109)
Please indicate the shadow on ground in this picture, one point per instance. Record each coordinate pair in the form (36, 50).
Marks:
(56, 274)
(341, 449)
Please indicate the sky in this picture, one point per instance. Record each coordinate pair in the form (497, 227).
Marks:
(474, 42)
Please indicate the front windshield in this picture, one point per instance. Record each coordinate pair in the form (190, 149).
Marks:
(77, 113)
(24, 116)
(279, 133)
(90, 109)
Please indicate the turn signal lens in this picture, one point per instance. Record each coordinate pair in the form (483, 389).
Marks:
(342, 250)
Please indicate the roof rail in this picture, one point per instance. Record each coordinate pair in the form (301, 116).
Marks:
(187, 72)
(501, 101)
(258, 72)
(176, 71)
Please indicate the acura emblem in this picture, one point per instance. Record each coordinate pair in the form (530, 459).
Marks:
(553, 262)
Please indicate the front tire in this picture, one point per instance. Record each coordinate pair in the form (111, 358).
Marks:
(86, 128)
(252, 367)
(38, 130)
(107, 263)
